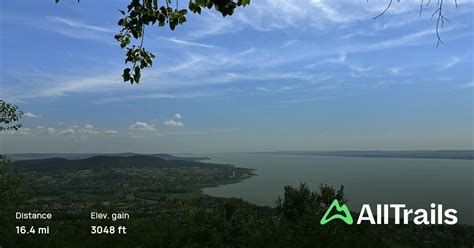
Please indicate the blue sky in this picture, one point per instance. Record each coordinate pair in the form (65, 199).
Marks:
(278, 75)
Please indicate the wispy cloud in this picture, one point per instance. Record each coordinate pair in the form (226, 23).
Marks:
(200, 132)
(81, 25)
(451, 62)
(267, 15)
(187, 43)
(357, 70)
(315, 99)
(79, 29)
(210, 24)
(59, 85)
(192, 73)
(144, 95)
(467, 86)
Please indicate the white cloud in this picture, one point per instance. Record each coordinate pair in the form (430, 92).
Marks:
(68, 131)
(286, 88)
(83, 132)
(266, 15)
(88, 126)
(20, 132)
(137, 97)
(78, 29)
(211, 23)
(451, 62)
(173, 123)
(111, 132)
(406, 40)
(87, 131)
(303, 100)
(23, 131)
(357, 70)
(142, 126)
(47, 130)
(187, 43)
(58, 85)
(395, 70)
(264, 89)
(203, 132)
(31, 115)
(78, 24)
(50, 130)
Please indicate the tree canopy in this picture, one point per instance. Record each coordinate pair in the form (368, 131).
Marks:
(9, 116)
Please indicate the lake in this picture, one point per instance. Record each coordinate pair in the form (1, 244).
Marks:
(414, 182)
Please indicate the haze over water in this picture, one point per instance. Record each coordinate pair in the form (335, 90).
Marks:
(414, 182)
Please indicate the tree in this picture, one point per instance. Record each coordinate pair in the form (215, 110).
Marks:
(300, 212)
(9, 116)
(302, 202)
(11, 181)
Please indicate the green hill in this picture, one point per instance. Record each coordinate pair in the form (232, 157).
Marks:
(96, 162)
(27, 156)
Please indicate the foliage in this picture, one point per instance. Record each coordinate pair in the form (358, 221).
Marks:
(9, 116)
(141, 13)
(300, 202)
(10, 183)
(12, 195)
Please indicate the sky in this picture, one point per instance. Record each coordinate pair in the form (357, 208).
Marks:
(277, 75)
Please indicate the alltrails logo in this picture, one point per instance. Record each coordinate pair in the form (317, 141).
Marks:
(436, 215)
(347, 217)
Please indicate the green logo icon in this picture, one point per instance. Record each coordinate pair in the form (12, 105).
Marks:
(346, 216)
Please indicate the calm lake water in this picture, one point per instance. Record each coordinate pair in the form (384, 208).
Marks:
(414, 182)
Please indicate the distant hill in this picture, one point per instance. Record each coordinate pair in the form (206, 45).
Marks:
(98, 162)
(25, 156)
(441, 154)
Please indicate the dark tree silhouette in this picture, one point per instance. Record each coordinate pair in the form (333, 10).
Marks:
(12, 193)
(9, 116)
